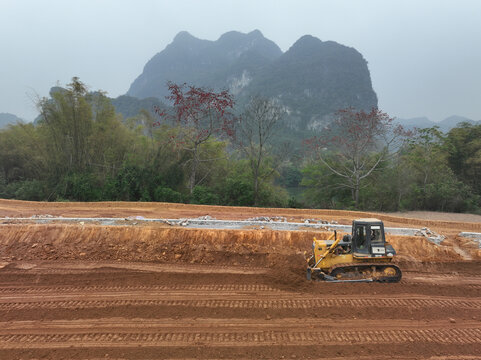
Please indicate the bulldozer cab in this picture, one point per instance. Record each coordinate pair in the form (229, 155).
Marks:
(368, 238)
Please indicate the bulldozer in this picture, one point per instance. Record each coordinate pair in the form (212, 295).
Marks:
(363, 256)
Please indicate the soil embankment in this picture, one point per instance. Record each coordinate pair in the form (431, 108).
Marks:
(202, 246)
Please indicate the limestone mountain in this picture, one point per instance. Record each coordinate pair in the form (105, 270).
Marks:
(205, 63)
(312, 79)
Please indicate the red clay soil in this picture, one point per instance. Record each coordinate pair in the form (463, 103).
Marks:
(93, 310)
(69, 291)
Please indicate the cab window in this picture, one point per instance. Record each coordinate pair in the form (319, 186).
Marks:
(376, 235)
(361, 236)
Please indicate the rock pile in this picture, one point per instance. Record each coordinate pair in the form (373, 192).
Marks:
(268, 219)
(430, 235)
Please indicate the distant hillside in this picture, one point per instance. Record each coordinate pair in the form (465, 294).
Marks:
(444, 125)
(130, 106)
(454, 120)
(312, 79)
(417, 122)
(7, 118)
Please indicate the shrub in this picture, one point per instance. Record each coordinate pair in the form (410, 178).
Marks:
(203, 195)
(31, 190)
(167, 194)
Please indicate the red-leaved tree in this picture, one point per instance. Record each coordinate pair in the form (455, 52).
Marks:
(355, 144)
(201, 114)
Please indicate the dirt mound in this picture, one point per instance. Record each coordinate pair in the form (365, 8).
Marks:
(285, 271)
(419, 249)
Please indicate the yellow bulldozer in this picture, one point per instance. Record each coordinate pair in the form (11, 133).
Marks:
(363, 256)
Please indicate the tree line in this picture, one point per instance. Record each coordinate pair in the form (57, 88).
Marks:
(204, 150)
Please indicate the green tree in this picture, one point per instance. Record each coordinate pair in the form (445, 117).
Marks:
(355, 144)
(110, 140)
(434, 186)
(322, 188)
(259, 124)
(464, 154)
(23, 153)
(67, 118)
(85, 141)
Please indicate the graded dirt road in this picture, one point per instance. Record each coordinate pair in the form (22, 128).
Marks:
(70, 291)
(436, 221)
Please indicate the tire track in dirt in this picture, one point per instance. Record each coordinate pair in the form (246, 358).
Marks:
(221, 337)
(246, 303)
(143, 288)
(189, 324)
(444, 279)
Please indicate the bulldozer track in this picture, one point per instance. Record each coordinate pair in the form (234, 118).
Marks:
(105, 325)
(74, 289)
(240, 338)
(244, 303)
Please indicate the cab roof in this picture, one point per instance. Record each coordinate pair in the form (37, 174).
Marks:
(368, 220)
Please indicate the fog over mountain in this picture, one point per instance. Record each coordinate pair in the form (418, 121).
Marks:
(423, 58)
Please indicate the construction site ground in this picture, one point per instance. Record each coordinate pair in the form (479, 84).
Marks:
(139, 290)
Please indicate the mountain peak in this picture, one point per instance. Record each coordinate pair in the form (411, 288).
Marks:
(453, 121)
(231, 36)
(256, 33)
(313, 78)
(457, 118)
(239, 36)
(183, 36)
(307, 40)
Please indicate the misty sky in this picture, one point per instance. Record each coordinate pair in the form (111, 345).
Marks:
(424, 56)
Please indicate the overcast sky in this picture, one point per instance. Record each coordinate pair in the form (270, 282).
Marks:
(424, 56)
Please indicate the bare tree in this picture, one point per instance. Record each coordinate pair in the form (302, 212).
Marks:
(259, 123)
(355, 144)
